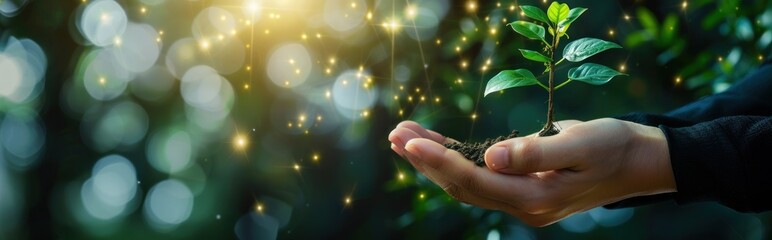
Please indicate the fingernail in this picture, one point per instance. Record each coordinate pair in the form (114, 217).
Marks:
(411, 148)
(497, 158)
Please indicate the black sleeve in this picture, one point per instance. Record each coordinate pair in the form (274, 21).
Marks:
(715, 146)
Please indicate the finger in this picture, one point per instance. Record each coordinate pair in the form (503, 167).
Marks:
(403, 154)
(423, 132)
(400, 136)
(534, 154)
(451, 167)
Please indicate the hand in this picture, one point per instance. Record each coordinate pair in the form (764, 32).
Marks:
(541, 180)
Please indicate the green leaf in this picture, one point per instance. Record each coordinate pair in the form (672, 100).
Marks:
(669, 29)
(534, 56)
(573, 14)
(583, 48)
(592, 73)
(557, 12)
(535, 13)
(529, 30)
(648, 21)
(509, 79)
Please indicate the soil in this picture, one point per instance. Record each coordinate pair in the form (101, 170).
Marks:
(475, 151)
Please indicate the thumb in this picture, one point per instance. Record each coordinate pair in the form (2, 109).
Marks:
(533, 154)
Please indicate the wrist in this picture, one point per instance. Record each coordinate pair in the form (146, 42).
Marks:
(651, 161)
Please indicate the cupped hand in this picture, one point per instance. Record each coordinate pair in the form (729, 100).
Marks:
(541, 180)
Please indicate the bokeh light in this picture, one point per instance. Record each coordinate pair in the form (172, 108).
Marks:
(168, 204)
(103, 22)
(289, 65)
(112, 185)
(170, 151)
(21, 138)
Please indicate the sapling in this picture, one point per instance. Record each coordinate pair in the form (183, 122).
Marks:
(557, 19)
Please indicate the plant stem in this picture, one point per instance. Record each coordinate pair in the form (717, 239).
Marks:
(549, 128)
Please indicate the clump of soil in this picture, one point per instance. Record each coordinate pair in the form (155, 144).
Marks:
(475, 151)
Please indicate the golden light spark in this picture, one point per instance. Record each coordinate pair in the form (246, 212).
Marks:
(315, 157)
(627, 17)
(678, 80)
(347, 200)
(117, 41)
(259, 207)
(622, 67)
(143, 10)
(102, 81)
(684, 5)
(204, 44)
(240, 141)
(411, 11)
(474, 116)
(296, 167)
(471, 6)
(611, 32)
(401, 176)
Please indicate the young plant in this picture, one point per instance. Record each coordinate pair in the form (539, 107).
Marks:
(558, 19)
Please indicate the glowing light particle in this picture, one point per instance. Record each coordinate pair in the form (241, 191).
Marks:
(678, 80)
(611, 32)
(622, 67)
(240, 142)
(315, 157)
(117, 41)
(347, 200)
(411, 12)
(474, 116)
(471, 6)
(401, 176)
(296, 167)
(259, 207)
(627, 17)
(204, 45)
(143, 10)
(421, 196)
(102, 80)
(369, 15)
(246, 86)
(684, 5)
